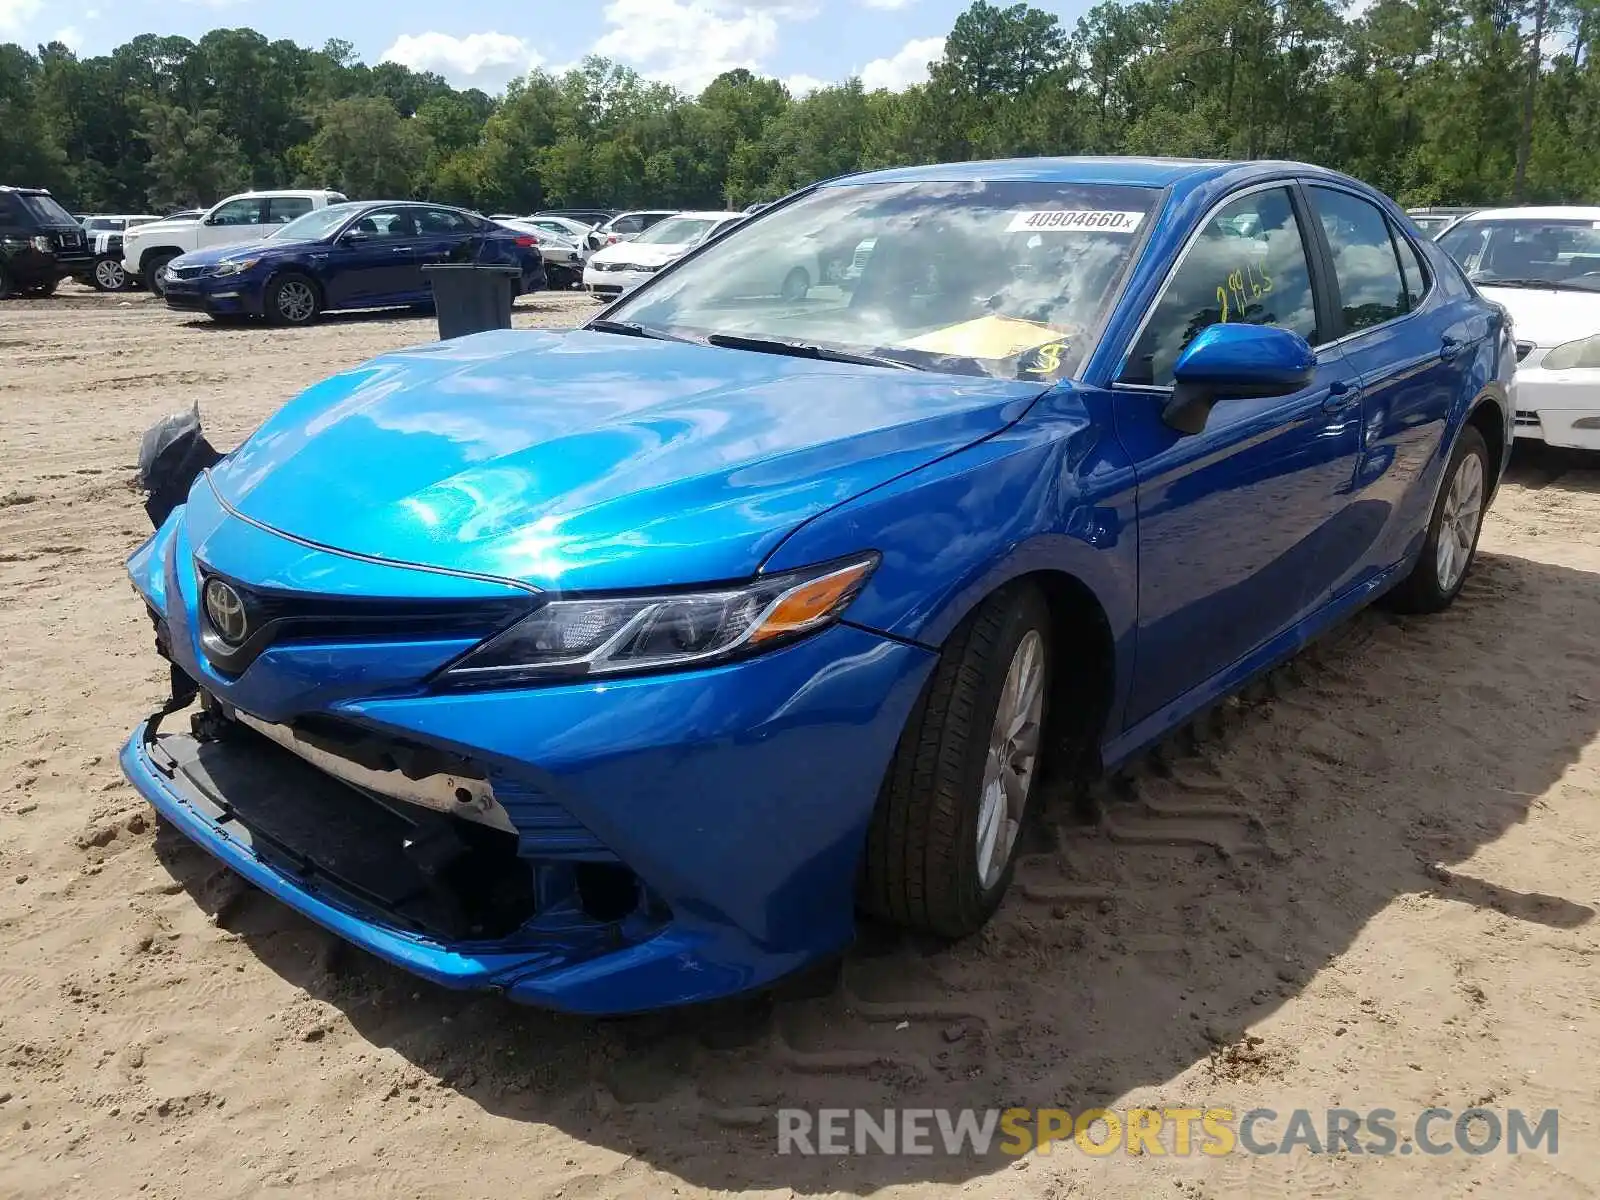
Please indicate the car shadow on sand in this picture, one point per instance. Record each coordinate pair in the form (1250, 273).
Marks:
(1207, 885)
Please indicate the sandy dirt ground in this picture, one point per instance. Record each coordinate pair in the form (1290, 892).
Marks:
(1370, 882)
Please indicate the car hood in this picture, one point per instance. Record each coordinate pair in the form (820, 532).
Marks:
(210, 256)
(1548, 316)
(585, 460)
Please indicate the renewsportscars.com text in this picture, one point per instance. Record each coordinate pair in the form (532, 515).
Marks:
(1174, 1131)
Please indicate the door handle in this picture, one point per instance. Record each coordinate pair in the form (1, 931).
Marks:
(1449, 347)
(400, 250)
(1341, 395)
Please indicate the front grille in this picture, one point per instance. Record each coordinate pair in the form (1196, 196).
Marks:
(1523, 350)
(69, 240)
(187, 272)
(275, 617)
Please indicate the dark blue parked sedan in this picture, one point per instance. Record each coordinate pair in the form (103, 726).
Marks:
(620, 667)
(358, 255)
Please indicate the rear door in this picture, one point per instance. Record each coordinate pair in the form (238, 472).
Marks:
(1233, 520)
(1412, 354)
(443, 236)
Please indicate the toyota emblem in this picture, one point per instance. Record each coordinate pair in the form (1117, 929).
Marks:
(225, 611)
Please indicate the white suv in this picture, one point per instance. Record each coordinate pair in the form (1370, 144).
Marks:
(247, 217)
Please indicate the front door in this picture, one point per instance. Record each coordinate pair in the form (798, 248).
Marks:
(1233, 520)
(240, 220)
(374, 260)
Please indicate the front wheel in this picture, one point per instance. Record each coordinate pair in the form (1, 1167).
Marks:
(1453, 529)
(108, 274)
(45, 287)
(153, 270)
(942, 844)
(795, 284)
(292, 299)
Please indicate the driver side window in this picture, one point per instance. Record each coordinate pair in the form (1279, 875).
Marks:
(238, 212)
(1249, 264)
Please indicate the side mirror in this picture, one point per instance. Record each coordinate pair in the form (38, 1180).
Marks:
(352, 237)
(1235, 361)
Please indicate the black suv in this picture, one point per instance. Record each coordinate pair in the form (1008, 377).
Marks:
(40, 243)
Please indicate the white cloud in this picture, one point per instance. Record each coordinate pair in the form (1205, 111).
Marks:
(688, 43)
(71, 37)
(485, 60)
(799, 85)
(889, 4)
(214, 3)
(14, 14)
(907, 67)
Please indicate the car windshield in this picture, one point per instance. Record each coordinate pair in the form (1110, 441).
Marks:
(314, 225)
(44, 208)
(999, 278)
(676, 231)
(1557, 252)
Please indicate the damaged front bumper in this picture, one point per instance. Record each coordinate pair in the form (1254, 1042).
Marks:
(600, 848)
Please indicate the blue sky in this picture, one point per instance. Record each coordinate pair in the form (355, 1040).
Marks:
(481, 43)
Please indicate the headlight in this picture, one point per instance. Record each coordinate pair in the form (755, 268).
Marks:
(234, 267)
(574, 639)
(1585, 352)
(41, 244)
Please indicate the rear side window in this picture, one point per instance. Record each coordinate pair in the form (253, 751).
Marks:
(1371, 288)
(440, 220)
(283, 209)
(1248, 264)
(1411, 268)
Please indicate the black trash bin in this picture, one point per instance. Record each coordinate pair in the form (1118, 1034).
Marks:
(472, 297)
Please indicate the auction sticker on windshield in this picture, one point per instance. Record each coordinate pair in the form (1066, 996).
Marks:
(1074, 220)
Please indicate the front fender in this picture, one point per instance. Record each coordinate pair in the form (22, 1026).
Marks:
(1051, 492)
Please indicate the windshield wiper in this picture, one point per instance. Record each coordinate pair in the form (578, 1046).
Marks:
(739, 341)
(634, 329)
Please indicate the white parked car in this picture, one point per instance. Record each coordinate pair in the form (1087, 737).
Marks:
(1543, 265)
(617, 269)
(563, 257)
(565, 227)
(247, 217)
(626, 226)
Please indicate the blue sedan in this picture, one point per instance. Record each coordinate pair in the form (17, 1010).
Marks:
(354, 255)
(622, 667)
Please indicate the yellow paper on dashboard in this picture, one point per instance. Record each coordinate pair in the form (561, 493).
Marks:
(986, 337)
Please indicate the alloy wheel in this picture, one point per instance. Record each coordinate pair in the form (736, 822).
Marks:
(1013, 754)
(110, 275)
(296, 302)
(1458, 524)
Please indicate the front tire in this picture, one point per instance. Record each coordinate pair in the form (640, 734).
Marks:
(108, 275)
(1452, 542)
(292, 299)
(796, 284)
(44, 288)
(152, 269)
(942, 845)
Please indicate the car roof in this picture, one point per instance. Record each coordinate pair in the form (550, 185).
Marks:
(709, 215)
(1533, 212)
(1145, 172)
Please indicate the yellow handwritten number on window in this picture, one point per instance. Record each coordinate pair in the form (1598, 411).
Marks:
(1049, 359)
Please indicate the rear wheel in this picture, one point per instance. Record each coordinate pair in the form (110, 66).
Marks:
(942, 845)
(152, 269)
(292, 299)
(1453, 529)
(108, 274)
